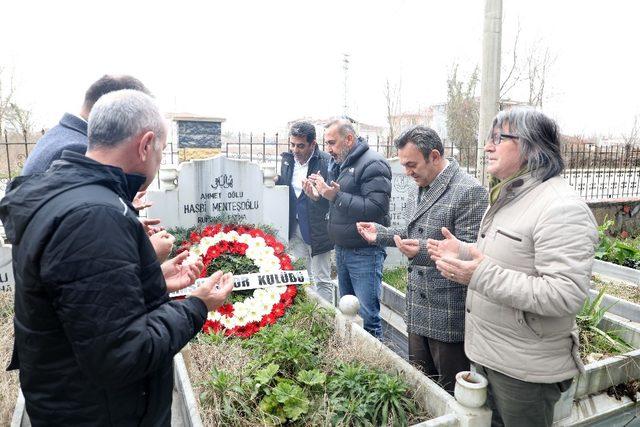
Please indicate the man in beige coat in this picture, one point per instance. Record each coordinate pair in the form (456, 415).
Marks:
(528, 274)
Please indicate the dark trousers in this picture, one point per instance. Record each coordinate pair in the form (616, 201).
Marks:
(439, 360)
(520, 403)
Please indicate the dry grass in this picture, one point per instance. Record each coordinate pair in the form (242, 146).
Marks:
(626, 291)
(8, 380)
(202, 358)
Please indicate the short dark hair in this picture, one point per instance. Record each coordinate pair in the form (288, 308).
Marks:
(425, 138)
(303, 130)
(538, 140)
(111, 83)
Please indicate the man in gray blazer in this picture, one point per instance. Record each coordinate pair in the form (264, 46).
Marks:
(446, 196)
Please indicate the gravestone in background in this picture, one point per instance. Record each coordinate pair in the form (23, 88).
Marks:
(7, 282)
(212, 187)
(198, 131)
(400, 185)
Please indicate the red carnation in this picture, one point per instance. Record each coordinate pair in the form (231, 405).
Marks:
(226, 310)
(278, 248)
(269, 319)
(251, 328)
(278, 310)
(269, 240)
(291, 291)
(211, 326)
(194, 237)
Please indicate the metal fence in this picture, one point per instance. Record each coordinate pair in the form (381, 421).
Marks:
(265, 150)
(595, 172)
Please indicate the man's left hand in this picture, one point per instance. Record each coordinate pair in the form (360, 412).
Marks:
(139, 203)
(329, 192)
(409, 247)
(460, 271)
(179, 276)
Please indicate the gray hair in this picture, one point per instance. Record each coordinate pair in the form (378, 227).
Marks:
(120, 115)
(539, 140)
(345, 126)
(424, 138)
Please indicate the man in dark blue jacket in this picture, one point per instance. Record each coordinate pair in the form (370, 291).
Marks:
(359, 189)
(308, 237)
(95, 331)
(71, 133)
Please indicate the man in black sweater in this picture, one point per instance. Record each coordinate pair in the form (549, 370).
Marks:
(95, 331)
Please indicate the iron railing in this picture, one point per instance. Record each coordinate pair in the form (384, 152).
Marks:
(596, 172)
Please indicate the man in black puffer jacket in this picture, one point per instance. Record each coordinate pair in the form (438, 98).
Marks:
(95, 332)
(308, 237)
(359, 190)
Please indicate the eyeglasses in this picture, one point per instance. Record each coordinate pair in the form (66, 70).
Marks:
(497, 138)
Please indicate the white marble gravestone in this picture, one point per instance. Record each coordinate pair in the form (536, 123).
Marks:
(7, 282)
(400, 185)
(212, 187)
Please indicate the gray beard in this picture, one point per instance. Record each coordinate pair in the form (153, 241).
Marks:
(342, 155)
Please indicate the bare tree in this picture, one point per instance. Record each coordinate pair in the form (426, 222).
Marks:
(21, 120)
(631, 140)
(463, 109)
(512, 77)
(7, 92)
(393, 98)
(538, 62)
(531, 68)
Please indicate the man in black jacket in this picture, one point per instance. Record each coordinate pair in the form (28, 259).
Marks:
(359, 190)
(308, 237)
(95, 331)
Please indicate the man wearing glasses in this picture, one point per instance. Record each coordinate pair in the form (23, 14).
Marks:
(528, 273)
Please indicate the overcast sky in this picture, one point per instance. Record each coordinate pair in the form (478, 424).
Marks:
(260, 64)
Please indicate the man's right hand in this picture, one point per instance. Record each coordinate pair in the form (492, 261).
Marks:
(215, 290)
(310, 190)
(162, 243)
(368, 231)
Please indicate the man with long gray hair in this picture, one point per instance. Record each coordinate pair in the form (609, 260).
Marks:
(528, 274)
(95, 332)
(445, 196)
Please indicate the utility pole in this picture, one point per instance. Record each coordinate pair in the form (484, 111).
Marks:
(490, 80)
(345, 67)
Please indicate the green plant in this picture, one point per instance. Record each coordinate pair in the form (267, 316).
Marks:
(232, 263)
(390, 400)
(356, 390)
(227, 392)
(396, 277)
(290, 348)
(592, 338)
(286, 401)
(287, 379)
(625, 252)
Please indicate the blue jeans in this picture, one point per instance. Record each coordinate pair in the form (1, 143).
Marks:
(360, 274)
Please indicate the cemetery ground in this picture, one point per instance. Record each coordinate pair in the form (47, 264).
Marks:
(8, 380)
